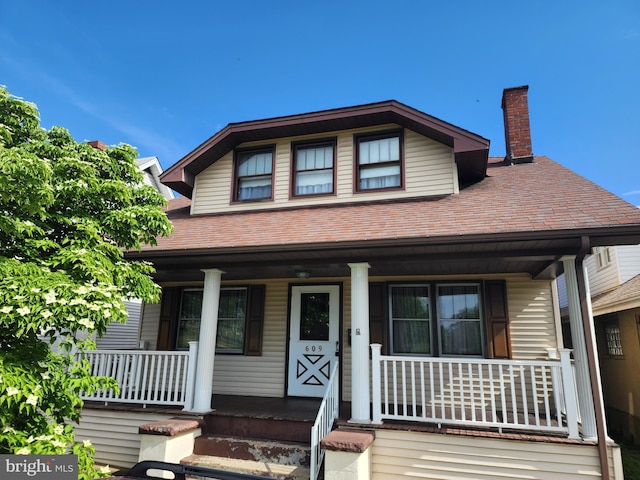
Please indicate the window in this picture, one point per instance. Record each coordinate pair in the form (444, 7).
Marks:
(313, 171)
(253, 174)
(379, 161)
(459, 322)
(603, 256)
(232, 319)
(410, 319)
(457, 313)
(612, 337)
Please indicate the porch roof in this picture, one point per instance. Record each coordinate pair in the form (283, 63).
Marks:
(520, 218)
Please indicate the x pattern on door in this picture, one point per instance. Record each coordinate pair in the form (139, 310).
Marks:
(313, 370)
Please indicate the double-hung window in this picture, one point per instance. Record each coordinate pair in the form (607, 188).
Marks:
(459, 320)
(449, 313)
(232, 317)
(603, 256)
(313, 168)
(379, 161)
(253, 174)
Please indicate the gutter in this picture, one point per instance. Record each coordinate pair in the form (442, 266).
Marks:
(596, 387)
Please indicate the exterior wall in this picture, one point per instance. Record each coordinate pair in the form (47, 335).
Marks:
(123, 336)
(423, 455)
(604, 278)
(114, 434)
(628, 261)
(430, 169)
(530, 309)
(621, 377)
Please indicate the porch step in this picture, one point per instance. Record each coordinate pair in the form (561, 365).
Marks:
(277, 429)
(269, 451)
(253, 467)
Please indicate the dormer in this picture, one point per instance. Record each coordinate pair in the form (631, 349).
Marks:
(373, 152)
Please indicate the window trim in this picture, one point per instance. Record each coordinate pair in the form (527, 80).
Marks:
(370, 136)
(320, 142)
(602, 256)
(271, 148)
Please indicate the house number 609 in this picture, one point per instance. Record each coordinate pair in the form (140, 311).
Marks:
(313, 348)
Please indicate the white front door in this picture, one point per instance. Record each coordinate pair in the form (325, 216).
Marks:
(313, 338)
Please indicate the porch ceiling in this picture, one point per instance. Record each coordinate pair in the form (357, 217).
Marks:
(538, 258)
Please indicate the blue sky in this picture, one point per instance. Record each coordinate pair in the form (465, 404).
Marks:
(164, 76)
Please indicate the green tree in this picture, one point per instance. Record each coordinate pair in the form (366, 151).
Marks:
(67, 214)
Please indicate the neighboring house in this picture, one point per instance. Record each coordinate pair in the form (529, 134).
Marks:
(301, 240)
(614, 281)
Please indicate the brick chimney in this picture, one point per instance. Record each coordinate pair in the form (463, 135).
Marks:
(97, 144)
(517, 130)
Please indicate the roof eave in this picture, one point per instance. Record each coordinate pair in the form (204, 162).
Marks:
(471, 150)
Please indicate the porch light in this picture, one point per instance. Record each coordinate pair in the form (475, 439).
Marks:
(303, 274)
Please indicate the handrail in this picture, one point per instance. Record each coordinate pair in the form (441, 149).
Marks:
(327, 414)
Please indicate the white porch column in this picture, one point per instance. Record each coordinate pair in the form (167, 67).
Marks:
(360, 396)
(583, 380)
(207, 340)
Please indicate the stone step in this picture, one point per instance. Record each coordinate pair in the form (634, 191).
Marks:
(265, 428)
(259, 450)
(265, 469)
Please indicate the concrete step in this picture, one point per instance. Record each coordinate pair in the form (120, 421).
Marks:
(259, 450)
(265, 469)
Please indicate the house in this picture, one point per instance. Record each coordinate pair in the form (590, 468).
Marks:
(376, 257)
(614, 282)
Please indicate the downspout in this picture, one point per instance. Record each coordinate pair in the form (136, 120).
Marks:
(596, 391)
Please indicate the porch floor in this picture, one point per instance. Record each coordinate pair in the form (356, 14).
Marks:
(306, 409)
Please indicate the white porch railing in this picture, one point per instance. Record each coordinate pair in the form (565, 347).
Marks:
(327, 414)
(522, 394)
(146, 377)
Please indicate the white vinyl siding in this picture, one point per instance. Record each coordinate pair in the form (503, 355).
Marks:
(603, 278)
(628, 261)
(123, 336)
(401, 454)
(429, 170)
(114, 434)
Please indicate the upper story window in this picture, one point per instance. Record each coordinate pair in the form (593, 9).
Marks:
(457, 320)
(254, 174)
(313, 168)
(603, 256)
(378, 161)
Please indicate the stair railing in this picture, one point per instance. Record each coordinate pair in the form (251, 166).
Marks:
(327, 414)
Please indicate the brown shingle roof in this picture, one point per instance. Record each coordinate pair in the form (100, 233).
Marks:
(539, 199)
(623, 297)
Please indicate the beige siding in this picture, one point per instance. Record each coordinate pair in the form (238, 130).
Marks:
(429, 170)
(114, 434)
(398, 454)
(261, 375)
(530, 308)
(531, 314)
(150, 324)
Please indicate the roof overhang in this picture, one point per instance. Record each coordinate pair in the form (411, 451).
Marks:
(471, 150)
(538, 254)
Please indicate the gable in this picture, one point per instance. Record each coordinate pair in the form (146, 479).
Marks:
(470, 150)
(429, 170)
